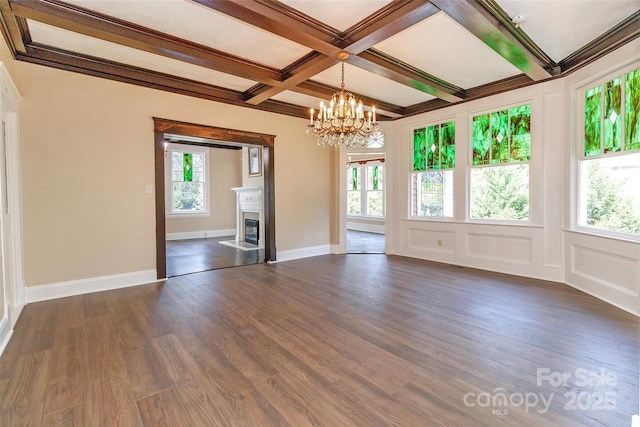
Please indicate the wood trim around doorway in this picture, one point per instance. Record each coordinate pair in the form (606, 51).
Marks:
(219, 136)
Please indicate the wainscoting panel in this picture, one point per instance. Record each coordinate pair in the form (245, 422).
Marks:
(606, 268)
(500, 248)
(434, 240)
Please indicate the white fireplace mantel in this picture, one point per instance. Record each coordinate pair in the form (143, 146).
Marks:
(249, 200)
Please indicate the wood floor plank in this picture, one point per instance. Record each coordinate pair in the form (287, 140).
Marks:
(193, 391)
(238, 391)
(146, 371)
(164, 409)
(69, 373)
(22, 402)
(68, 417)
(323, 341)
(111, 402)
(103, 346)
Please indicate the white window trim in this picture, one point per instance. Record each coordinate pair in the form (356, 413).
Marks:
(578, 156)
(364, 189)
(410, 216)
(184, 148)
(531, 162)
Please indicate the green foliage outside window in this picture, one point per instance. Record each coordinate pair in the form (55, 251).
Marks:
(500, 192)
(502, 136)
(610, 204)
(434, 147)
(603, 116)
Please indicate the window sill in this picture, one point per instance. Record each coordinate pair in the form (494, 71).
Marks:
(605, 234)
(367, 218)
(188, 215)
(495, 223)
(431, 218)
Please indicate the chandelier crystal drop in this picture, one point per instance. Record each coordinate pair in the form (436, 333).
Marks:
(343, 121)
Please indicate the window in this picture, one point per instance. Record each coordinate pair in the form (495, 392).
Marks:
(434, 158)
(609, 167)
(188, 180)
(354, 191)
(501, 143)
(375, 203)
(365, 196)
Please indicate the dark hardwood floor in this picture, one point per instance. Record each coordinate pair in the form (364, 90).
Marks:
(197, 255)
(336, 340)
(362, 242)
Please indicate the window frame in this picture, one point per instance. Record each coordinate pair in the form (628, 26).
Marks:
(529, 222)
(169, 196)
(580, 158)
(412, 173)
(364, 190)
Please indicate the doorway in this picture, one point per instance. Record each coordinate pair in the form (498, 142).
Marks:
(201, 184)
(11, 267)
(166, 131)
(365, 202)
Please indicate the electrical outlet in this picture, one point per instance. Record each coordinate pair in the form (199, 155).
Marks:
(205, 234)
(439, 242)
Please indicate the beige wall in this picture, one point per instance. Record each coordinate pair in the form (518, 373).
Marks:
(87, 155)
(225, 172)
(249, 181)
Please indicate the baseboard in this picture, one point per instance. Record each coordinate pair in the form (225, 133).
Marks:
(201, 234)
(303, 253)
(370, 228)
(86, 286)
(14, 314)
(5, 330)
(619, 302)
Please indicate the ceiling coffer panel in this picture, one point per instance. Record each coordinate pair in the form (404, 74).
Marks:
(69, 41)
(202, 25)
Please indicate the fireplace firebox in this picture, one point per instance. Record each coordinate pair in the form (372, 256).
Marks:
(251, 230)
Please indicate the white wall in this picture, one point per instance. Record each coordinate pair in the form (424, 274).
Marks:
(546, 247)
(606, 267)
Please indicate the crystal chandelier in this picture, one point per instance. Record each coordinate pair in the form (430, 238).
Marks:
(342, 121)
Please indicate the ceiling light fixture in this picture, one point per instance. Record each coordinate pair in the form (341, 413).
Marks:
(342, 121)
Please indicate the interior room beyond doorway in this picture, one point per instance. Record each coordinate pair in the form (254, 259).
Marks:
(366, 222)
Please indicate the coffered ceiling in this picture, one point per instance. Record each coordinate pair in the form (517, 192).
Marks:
(405, 56)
